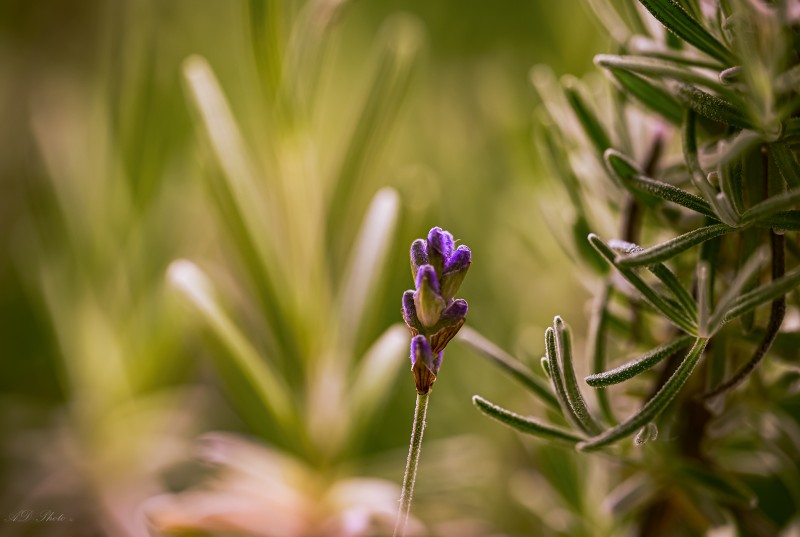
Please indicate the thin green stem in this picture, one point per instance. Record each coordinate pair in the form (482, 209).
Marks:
(411, 464)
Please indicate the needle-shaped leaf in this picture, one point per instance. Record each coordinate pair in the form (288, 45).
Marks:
(655, 406)
(656, 68)
(574, 395)
(744, 275)
(556, 377)
(657, 301)
(713, 107)
(675, 287)
(667, 277)
(653, 97)
(725, 487)
(787, 165)
(671, 193)
(786, 220)
(771, 206)
(639, 365)
(525, 424)
(671, 248)
(588, 119)
(506, 362)
(678, 21)
(761, 295)
(596, 344)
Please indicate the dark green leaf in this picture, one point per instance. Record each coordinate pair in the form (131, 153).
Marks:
(666, 250)
(654, 406)
(639, 365)
(524, 424)
(675, 19)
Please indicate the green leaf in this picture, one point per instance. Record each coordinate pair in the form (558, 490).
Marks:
(591, 124)
(671, 193)
(556, 378)
(656, 300)
(506, 362)
(650, 95)
(525, 424)
(675, 19)
(597, 343)
(761, 295)
(713, 107)
(655, 68)
(787, 165)
(666, 250)
(724, 486)
(786, 220)
(574, 395)
(655, 406)
(743, 277)
(675, 287)
(771, 207)
(634, 367)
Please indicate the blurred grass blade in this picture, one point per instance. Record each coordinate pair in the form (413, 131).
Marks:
(678, 21)
(506, 362)
(771, 206)
(198, 289)
(640, 365)
(786, 163)
(574, 395)
(671, 248)
(761, 295)
(651, 296)
(388, 87)
(650, 95)
(785, 220)
(721, 484)
(705, 288)
(375, 374)
(743, 277)
(655, 406)
(594, 130)
(713, 107)
(367, 263)
(229, 147)
(265, 17)
(524, 424)
(699, 179)
(658, 69)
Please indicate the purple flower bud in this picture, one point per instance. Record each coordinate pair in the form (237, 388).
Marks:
(410, 313)
(440, 247)
(450, 322)
(419, 256)
(422, 364)
(455, 268)
(427, 300)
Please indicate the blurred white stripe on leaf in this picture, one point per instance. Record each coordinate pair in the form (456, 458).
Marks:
(198, 289)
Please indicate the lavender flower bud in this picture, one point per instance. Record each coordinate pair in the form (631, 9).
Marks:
(440, 248)
(427, 298)
(422, 364)
(410, 313)
(450, 322)
(419, 256)
(455, 268)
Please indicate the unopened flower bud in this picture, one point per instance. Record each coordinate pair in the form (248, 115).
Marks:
(419, 256)
(455, 268)
(423, 364)
(440, 248)
(427, 298)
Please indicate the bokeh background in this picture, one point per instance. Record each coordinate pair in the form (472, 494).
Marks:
(250, 140)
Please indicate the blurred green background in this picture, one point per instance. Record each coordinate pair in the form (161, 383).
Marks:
(111, 170)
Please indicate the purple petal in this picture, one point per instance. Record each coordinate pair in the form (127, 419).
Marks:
(461, 258)
(426, 275)
(440, 247)
(419, 256)
(421, 350)
(410, 312)
(456, 311)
